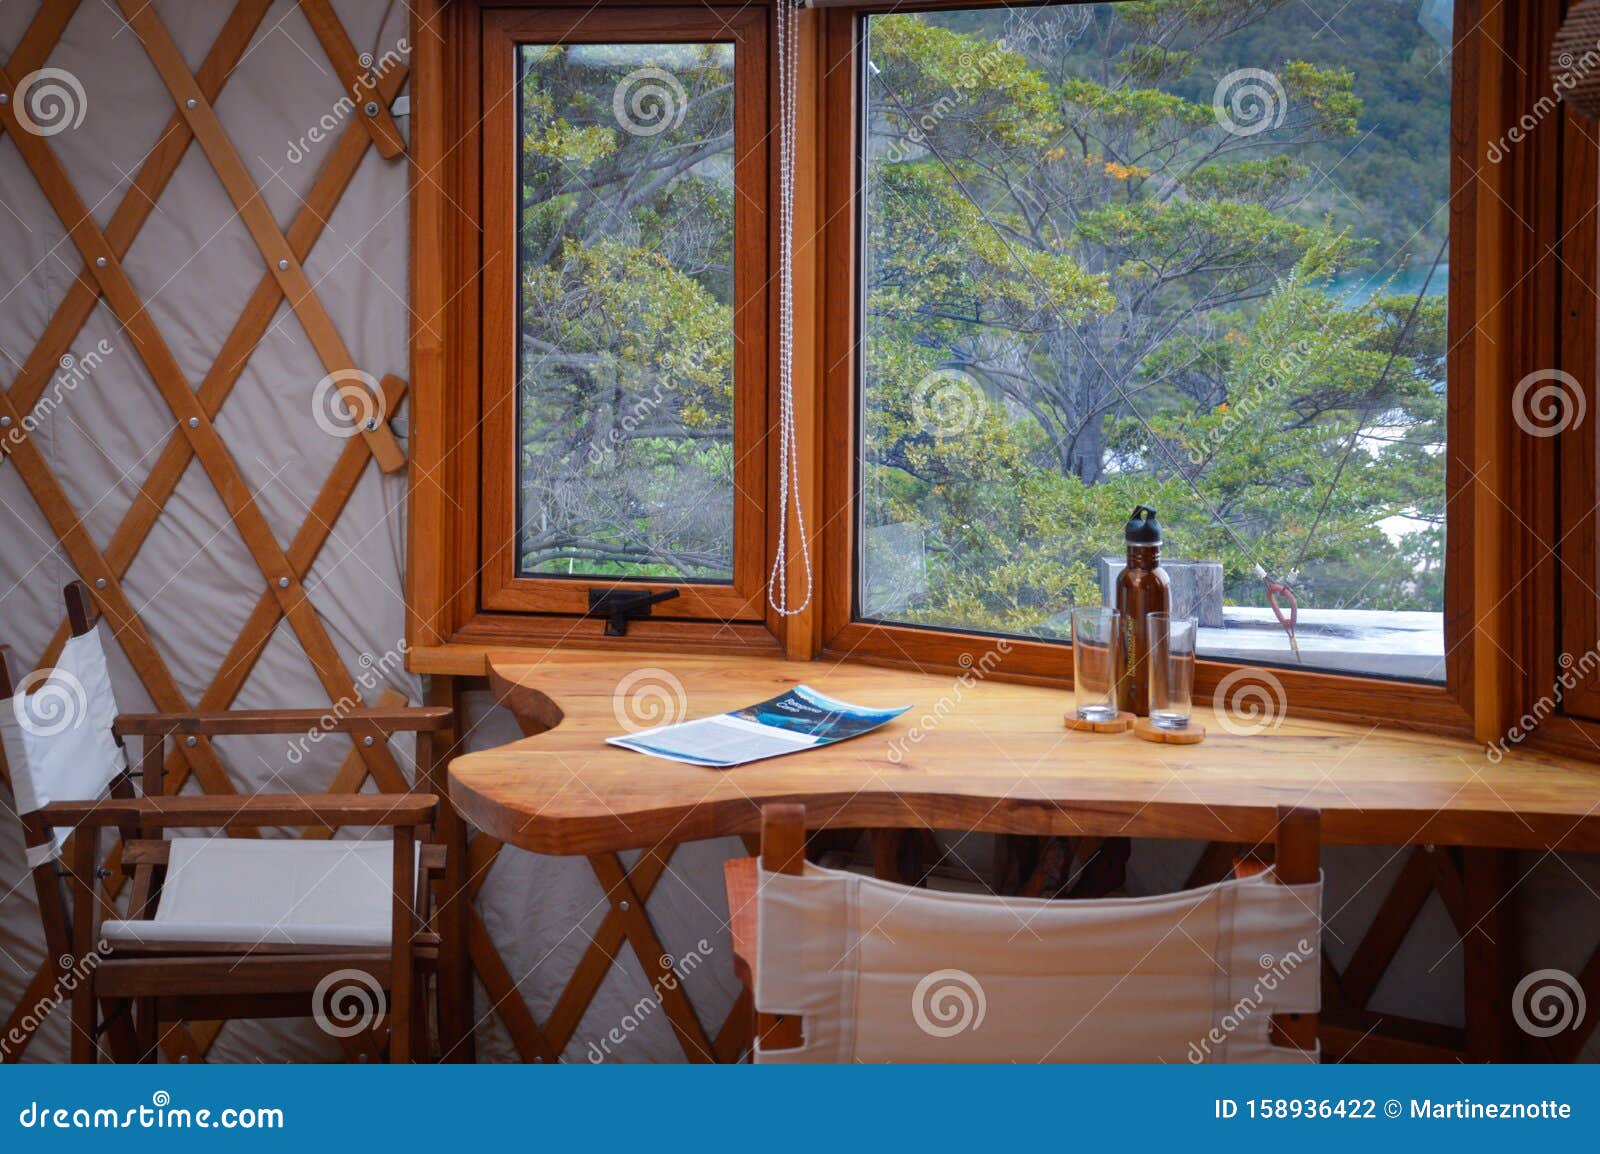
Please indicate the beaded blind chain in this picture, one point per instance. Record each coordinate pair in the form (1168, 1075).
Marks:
(788, 52)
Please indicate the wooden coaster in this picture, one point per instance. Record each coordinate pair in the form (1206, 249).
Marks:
(1191, 734)
(1121, 723)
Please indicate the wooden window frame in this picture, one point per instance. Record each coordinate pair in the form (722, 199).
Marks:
(1446, 708)
(473, 594)
(1552, 697)
(502, 588)
(1506, 316)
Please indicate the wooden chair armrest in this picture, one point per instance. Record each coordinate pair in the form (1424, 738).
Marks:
(418, 719)
(303, 810)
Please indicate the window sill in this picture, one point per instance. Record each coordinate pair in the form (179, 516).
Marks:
(467, 652)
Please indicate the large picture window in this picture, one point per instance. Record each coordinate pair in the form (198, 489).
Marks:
(1187, 256)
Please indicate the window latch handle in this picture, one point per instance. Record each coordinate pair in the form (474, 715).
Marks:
(620, 606)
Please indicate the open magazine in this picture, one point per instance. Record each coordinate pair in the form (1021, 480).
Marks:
(800, 719)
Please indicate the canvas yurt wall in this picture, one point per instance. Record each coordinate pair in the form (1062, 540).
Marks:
(181, 453)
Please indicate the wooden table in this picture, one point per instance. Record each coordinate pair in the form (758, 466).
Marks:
(978, 754)
(985, 755)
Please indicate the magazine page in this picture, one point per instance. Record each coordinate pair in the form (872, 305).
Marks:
(800, 719)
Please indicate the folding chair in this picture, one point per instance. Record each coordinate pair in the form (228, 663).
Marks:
(847, 968)
(217, 927)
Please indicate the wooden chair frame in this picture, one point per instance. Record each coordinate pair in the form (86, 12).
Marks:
(212, 981)
(1296, 852)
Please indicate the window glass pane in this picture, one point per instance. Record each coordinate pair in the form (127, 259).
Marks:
(1183, 255)
(625, 290)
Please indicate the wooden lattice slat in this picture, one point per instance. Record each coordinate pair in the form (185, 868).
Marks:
(628, 905)
(79, 302)
(217, 385)
(356, 80)
(581, 988)
(137, 203)
(1382, 941)
(507, 1003)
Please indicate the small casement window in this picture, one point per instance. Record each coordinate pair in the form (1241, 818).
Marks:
(625, 310)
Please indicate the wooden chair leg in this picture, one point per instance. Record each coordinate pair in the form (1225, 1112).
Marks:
(400, 1026)
(84, 1025)
(85, 1046)
(754, 1026)
(422, 1037)
(147, 1029)
(403, 973)
(454, 975)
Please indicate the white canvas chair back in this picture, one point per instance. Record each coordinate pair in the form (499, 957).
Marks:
(57, 733)
(881, 972)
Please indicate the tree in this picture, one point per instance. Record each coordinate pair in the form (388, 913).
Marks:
(1135, 292)
(1172, 252)
(625, 277)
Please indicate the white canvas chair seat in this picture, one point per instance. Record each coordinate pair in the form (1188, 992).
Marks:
(270, 892)
(58, 738)
(881, 972)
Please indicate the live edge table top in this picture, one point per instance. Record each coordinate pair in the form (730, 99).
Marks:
(982, 755)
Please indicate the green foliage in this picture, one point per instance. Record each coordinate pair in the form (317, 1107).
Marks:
(939, 255)
(625, 279)
(974, 86)
(1129, 109)
(646, 321)
(1328, 91)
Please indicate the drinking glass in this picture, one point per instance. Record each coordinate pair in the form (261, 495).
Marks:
(1094, 662)
(1171, 658)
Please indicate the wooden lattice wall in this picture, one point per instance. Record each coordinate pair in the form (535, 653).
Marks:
(98, 251)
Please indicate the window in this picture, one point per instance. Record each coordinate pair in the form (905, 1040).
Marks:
(624, 290)
(1278, 270)
(1188, 256)
(625, 297)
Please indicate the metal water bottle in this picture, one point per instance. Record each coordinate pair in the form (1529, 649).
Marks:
(1142, 589)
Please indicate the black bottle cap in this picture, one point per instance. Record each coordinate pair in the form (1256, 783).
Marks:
(1142, 528)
